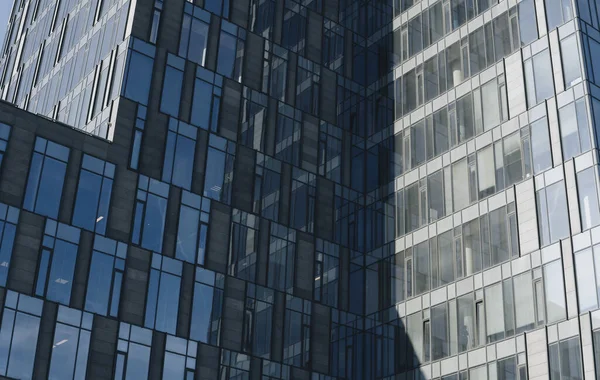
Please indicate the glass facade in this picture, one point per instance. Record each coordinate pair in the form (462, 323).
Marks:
(300, 189)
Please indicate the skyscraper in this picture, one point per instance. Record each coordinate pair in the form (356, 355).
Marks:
(315, 189)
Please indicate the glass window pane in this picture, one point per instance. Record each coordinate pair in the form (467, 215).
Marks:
(584, 266)
(558, 215)
(554, 292)
(64, 350)
(540, 146)
(23, 346)
(98, 291)
(570, 60)
(588, 198)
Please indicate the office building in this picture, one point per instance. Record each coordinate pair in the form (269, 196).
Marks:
(312, 190)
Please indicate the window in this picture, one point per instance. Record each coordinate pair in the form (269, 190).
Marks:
(158, 6)
(133, 352)
(574, 129)
(553, 217)
(513, 159)
(267, 183)
(302, 207)
(565, 360)
(281, 258)
(206, 102)
(524, 307)
(527, 22)
(540, 146)
(558, 12)
(485, 172)
(4, 135)
(192, 230)
(219, 169)
(206, 306)
(288, 134)
(279, 64)
(9, 217)
(138, 134)
(150, 213)
(218, 7)
(554, 292)
(307, 86)
(326, 273)
(180, 152)
(93, 194)
(440, 340)
(296, 339)
(231, 51)
(194, 34)
(180, 358)
(422, 271)
(46, 178)
(57, 262)
(459, 179)
(19, 335)
(172, 85)
(333, 45)
(262, 17)
(162, 303)
(258, 320)
(253, 119)
(234, 365)
(538, 70)
(71, 344)
(588, 198)
(105, 276)
(570, 60)
(293, 36)
(244, 245)
(587, 266)
(139, 72)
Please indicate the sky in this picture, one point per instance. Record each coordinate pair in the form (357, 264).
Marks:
(5, 8)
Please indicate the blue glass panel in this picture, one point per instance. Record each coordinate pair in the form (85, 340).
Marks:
(152, 299)
(82, 355)
(50, 190)
(171, 93)
(227, 50)
(201, 313)
(23, 347)
(169, 156)
(42, 273)
(116, 294)
(8, 239)
(139, 77)
(60, 279)
(215, 172)
(174, 366)
(64, 350)
(184, 162)
(138, 360)
(187, 235)
(120, 367)
(8, 320)
(137, 223)
(154, 223)
(33, 182)
(98, 291)
(202, 244)
(168, 303)
(201, 104)
(103, 206)
(86, 203)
